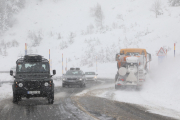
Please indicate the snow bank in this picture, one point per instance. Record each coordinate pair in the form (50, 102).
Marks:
(5, 91)
(160, 93)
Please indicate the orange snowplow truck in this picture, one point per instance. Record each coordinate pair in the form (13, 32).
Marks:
(128, 52)
(132, 67)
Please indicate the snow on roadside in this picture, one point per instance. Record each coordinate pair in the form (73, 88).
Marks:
(101, 86)
(160, 94)
(5, 91)
(57, 83)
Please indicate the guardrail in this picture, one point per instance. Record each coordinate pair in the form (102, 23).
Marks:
(4, 71)
(9, 81)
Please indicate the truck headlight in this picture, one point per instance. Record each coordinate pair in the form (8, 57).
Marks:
(20, 85)
(46, 84)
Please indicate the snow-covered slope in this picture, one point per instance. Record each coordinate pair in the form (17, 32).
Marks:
(68, 27)
(160, 93)
(125, 24)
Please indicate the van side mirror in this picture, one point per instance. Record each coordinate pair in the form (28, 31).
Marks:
(54, 72)
(11, 72)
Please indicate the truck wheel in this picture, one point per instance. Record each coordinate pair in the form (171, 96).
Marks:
(19, 98)
(51, 98)
(15, 98)
(82, 85)
(27, 97)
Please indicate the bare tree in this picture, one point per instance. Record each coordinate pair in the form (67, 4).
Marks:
(98, 14)
(174, 2)
(156, 7)
(71, 37)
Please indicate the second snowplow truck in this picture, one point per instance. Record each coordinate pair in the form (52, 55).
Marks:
(132, 67)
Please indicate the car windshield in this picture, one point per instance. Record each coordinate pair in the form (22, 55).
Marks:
(132, 53)
(89, 73)
(72, 72)
(32, 67)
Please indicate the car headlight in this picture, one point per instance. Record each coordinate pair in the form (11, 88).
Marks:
(63, 79)
(95, 77)
(20, 85)
(46, 84)
(80, 78)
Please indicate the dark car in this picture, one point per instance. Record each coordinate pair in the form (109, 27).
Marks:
(74, 76)
(33, 79)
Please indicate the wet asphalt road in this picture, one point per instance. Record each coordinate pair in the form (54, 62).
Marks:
(68, 107)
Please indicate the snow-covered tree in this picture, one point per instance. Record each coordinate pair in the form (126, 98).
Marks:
(5, 51)
(71, 38)
(59, 36)
(63, 45)
(156, 7)
(174, 2)
(90, 29)
(98, 14)
(7, 9)
(35, 39)
(15, 43)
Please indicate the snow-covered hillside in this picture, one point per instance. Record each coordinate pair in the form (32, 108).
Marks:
(71, 28)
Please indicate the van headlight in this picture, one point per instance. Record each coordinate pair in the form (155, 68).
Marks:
(20, 85)
(46, 84)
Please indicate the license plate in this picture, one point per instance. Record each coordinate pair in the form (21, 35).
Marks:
(33, 92)
(71, 81)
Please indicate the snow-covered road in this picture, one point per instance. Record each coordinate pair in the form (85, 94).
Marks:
(160, 93)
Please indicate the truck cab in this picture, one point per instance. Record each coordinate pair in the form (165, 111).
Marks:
(32, 78)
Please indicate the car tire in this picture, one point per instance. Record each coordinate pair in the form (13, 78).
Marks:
(19, 98)
(82, 85)
(27, 97)
(51, 98)
(15, 98)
